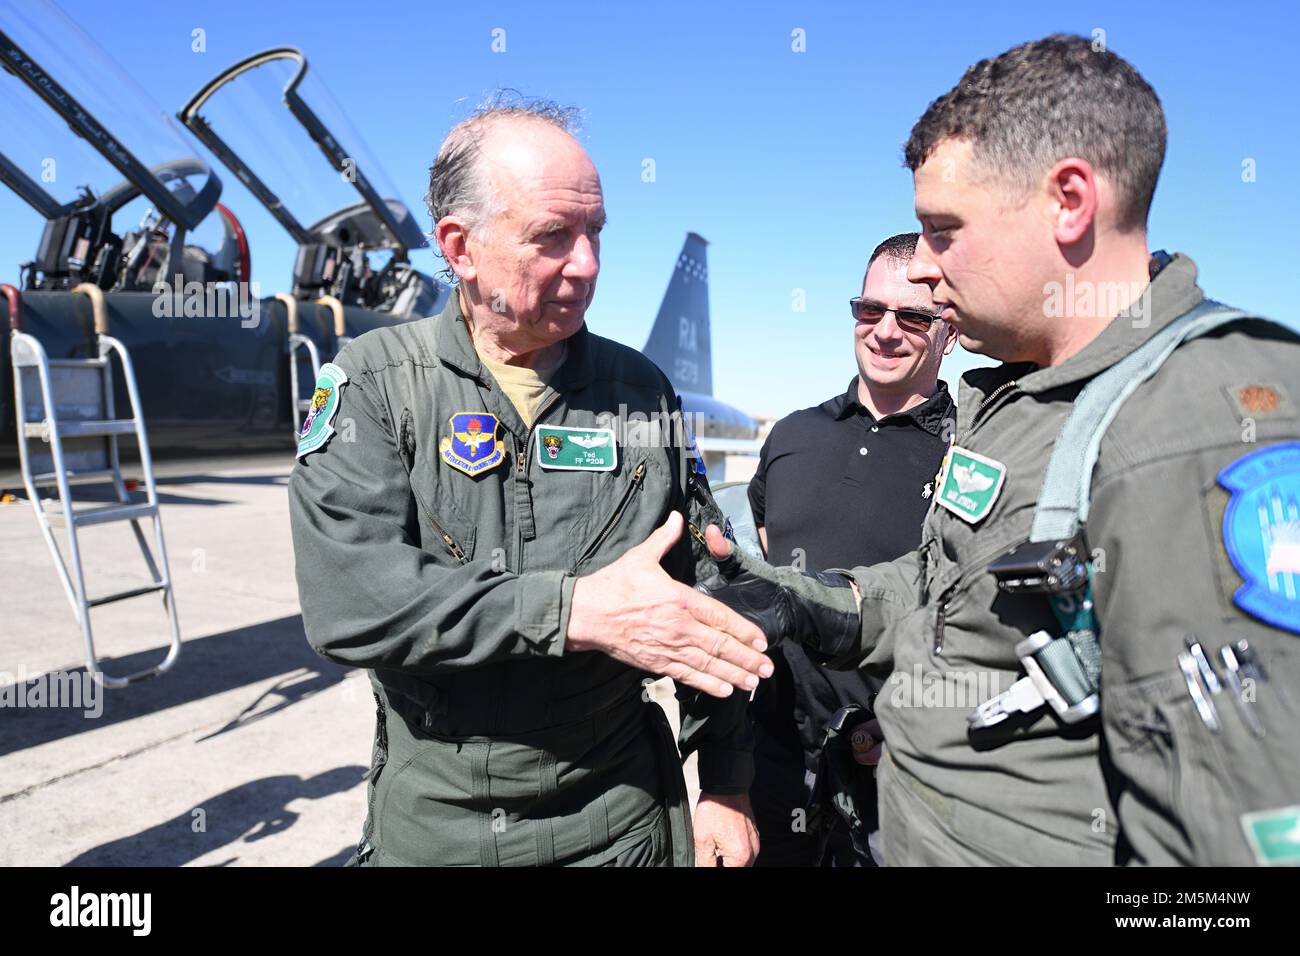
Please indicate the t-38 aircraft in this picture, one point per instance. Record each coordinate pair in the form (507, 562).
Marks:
(142, 247)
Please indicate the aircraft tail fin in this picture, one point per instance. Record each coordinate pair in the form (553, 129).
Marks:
(680, 342)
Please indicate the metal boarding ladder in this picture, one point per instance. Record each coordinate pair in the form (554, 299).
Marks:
(298, 406)
(68, 433)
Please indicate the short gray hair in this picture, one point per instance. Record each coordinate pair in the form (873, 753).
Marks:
(459, 181)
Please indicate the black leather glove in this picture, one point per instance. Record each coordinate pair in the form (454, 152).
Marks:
(817, 609)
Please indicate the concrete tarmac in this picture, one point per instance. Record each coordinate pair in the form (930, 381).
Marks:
(251, 750)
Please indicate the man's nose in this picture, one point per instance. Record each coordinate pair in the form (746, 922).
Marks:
(584, 260)
(887, 328)
(922, 267)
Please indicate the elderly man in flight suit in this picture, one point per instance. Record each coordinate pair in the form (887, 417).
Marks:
(508, 568)
(1129, 630)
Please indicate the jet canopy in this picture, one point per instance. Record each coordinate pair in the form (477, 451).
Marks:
(276, 126)
(79, 140)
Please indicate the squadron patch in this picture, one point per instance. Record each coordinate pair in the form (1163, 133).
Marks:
(969, 484)
(318, 426)
(473, 447)
(1261, 532)
(560, 448)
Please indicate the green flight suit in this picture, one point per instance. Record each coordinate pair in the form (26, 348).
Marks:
(1147, 782)
(494, 745)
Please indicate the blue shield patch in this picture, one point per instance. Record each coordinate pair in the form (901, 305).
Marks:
(473, 446)
(1261, 532)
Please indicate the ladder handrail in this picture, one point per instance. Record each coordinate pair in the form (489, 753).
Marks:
(26, 351)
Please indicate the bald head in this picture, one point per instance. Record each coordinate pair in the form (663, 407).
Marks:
(518, 210)
(462, 179)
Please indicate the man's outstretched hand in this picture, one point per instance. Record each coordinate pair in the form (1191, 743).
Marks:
(634, 612)
(818, 609)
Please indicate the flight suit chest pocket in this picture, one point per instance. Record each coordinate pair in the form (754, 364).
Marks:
(445, 529)
(625, 506)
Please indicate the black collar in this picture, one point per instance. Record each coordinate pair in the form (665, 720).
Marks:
(930, 415)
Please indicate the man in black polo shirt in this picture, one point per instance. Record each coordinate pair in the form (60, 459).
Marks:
(845, 484)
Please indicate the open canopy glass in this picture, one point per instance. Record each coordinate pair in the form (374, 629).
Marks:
(276, 126)
(71, 121)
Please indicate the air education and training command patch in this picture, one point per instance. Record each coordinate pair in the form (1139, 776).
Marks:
(1261, 532)
(970, 484)
(319, 423)
(473, 446)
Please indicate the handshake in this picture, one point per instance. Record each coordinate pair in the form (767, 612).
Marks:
(818, 609)
(634, 612)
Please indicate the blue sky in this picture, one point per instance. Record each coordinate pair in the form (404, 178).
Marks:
(788, 163)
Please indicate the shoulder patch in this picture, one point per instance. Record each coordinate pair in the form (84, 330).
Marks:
(1261, 532)
(318, 426)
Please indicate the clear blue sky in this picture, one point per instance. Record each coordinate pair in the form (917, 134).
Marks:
(788, 163)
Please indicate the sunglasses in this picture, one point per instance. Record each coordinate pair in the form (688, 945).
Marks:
(910, 320)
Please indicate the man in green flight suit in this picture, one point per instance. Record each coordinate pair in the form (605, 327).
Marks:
(1102, 669)
(510, 568)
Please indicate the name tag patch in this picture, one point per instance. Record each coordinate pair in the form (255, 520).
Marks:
(970, 484)
(560, 448)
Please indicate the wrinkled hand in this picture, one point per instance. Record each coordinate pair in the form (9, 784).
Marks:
(634, 612)
(725, 834)
(819, 609)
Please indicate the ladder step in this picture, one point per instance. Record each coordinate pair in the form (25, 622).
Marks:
(81, 429)
(78, 363)
(104, 514)
(123, 595)
(52, 477)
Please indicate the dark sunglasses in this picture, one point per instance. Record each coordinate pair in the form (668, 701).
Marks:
(912, 320)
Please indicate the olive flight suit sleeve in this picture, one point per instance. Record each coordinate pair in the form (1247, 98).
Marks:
(888, 592)
(1172, 564)
(371, 596)
(718, 728)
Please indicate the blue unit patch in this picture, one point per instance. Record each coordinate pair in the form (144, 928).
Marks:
(473, 446)
(1261, 531)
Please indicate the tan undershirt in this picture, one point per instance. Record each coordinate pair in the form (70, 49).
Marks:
(525, 387)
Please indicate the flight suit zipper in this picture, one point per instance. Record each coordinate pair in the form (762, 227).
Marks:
(993, 395)
(521, 475)
(941, 605)
(406, 454)
(634, 485)
(456, 550)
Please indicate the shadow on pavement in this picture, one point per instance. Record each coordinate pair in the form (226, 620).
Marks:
(207, 666)
(243, 814)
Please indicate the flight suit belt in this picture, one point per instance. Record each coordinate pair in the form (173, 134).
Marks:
(461, 708)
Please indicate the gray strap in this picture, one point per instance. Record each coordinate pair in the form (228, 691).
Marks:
(1067, 485)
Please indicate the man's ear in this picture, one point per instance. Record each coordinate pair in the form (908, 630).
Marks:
(452, 235)
(1072, 192)
(953, 335)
